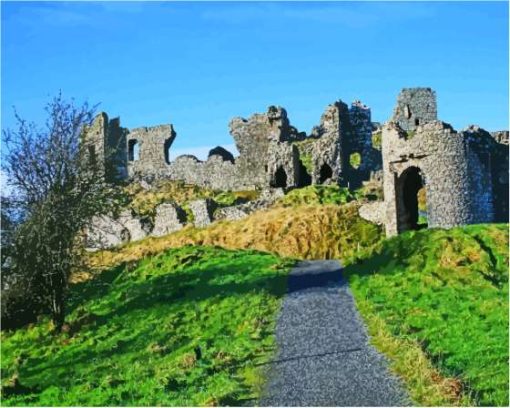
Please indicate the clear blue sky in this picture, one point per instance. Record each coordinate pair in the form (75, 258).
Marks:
(197, 65)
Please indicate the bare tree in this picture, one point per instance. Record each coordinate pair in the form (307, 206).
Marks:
(57, 186)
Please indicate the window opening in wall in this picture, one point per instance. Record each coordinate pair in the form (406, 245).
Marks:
(133, 150)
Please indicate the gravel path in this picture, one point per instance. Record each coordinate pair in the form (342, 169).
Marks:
(324, 358)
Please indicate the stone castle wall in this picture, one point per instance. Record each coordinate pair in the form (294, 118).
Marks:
(267, 145)
(465, 174)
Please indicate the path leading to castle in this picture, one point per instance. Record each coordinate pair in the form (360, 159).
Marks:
(324, 358)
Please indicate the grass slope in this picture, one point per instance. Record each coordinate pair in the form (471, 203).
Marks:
(134, 333)
(444, 292)
(303, 231)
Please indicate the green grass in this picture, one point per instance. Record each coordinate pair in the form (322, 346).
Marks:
(447, 292)
(316, 194)
(132, 334)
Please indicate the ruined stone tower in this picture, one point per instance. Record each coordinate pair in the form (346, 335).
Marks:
(415, 106)
(105, 142)
(458, 170)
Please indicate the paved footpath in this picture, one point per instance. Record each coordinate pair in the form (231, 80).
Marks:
(324, 358)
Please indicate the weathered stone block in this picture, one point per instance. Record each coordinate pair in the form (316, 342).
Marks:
(373, 212)
(169, 218)
(202, 212)
(106, 231)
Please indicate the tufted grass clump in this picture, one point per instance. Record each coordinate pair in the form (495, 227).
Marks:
(317, 194)
(187, 327)
(441, 294)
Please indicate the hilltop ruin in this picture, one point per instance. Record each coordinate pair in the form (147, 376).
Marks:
(465, 174)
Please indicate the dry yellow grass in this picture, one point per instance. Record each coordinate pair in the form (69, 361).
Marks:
(144, 202)
(307, 232)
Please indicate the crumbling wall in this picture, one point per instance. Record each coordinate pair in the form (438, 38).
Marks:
(153, 155)
(105, 144)
(322, 153)
(415, 106)
(500, 136)
(108, 231)
(264, 144)
(282, 165)
(215, 172)
(253, 138)
(361, 143)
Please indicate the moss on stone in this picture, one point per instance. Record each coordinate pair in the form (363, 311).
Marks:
(377, 140)
(307, 162)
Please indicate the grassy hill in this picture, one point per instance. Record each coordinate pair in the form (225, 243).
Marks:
(162, 323)
(436, 302)
(186, 327)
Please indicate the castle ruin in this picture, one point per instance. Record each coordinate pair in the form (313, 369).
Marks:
(272, 153)
(465, 174)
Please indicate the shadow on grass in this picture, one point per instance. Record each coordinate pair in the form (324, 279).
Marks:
(193, 286)
(94, 288)
(185, 288)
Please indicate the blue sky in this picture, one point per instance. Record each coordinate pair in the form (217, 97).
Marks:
(197, 65)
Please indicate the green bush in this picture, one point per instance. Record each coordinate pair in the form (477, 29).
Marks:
(377, 140)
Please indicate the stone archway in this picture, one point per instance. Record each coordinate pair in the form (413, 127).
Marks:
(326, 173)
(305, 179)
(280, 178)
(409, 184)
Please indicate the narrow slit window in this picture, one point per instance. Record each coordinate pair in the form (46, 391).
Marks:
(133, 150)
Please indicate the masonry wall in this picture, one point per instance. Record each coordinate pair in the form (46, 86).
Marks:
(415, 106)
(266, 142)
(361, 142)
(153, 147)
(456, 174)
(105, 141)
